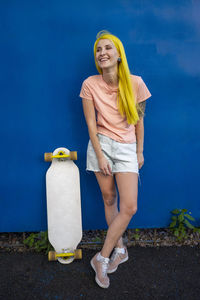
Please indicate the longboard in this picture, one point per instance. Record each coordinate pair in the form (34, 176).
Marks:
(63, 205)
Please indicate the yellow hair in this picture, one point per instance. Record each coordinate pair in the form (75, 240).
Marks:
(126, 98)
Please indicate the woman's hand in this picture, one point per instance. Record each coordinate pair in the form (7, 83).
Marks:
(140, 158)
(104, 166)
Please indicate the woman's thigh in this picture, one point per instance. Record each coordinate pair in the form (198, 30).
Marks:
(127, 183)
(107, 187)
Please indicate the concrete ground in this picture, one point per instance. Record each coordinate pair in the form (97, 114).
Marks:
(150, 273)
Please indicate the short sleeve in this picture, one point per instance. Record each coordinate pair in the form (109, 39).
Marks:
(143, 92)
(85, 91)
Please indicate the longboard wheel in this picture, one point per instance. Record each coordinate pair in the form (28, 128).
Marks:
(73, 155)
(66, 258)
(48, 156)
(52, 255)
(78, 254)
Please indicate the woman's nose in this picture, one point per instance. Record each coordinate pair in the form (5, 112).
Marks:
(102, 51)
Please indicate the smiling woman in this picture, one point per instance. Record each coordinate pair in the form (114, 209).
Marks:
(115, 148)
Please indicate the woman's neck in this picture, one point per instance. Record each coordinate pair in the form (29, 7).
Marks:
(110, 77)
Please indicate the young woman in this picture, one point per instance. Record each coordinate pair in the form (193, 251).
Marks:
(115, 148)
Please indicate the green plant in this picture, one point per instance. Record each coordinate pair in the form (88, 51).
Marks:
(136, 235)
(39, 242)
(180, 221)
(97, 240)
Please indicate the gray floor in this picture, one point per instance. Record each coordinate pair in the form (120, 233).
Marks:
(150, 273)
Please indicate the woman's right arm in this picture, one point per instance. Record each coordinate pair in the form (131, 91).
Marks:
(89, 112)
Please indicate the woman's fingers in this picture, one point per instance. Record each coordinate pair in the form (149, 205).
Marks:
(105, 167)
(140, 159)
(109, 169)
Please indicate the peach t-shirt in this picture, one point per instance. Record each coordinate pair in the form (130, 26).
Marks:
(109, 120)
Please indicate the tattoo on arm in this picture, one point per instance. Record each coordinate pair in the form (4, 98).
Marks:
(141, 108)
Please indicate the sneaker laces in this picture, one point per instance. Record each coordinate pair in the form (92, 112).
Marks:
(104, 263)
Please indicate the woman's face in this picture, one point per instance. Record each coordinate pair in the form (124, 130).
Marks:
(106, 54)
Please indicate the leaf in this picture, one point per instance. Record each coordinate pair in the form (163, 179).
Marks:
(189, 217)
(183, 231)
(175, 211)
(181, 217)
(187, 223)
(173, 224)
(136, 236)
(176, 232)
(31, 243)
(26, 241)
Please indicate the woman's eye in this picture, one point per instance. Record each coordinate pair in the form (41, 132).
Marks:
(107, 48)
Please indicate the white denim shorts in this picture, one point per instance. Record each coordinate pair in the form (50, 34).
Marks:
(121, 157)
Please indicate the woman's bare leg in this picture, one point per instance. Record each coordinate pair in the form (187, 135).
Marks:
(109, 194)
(128, 189)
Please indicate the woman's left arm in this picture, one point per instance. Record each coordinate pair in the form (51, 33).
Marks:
(139, 131)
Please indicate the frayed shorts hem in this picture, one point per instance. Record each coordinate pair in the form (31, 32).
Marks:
(121, 171)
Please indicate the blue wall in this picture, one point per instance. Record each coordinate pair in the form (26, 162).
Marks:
(46, 53)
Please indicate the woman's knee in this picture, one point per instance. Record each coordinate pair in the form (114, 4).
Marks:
(129, 210)
(109, 198)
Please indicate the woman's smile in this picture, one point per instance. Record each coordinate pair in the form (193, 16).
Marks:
(103, 59)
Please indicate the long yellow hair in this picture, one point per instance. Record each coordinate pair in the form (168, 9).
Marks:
(126, 98)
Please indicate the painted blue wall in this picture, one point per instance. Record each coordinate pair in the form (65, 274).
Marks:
(46, 53)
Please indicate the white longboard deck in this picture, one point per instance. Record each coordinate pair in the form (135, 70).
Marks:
(63, 204)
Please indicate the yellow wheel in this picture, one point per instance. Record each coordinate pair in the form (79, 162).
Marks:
(52, 255)
(48, 156)
(73, 155)
(78, 254)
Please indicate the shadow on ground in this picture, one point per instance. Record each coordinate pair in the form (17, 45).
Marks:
(150, 273)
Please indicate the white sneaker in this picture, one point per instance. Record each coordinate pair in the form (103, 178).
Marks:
(118, 257)
(100, 267)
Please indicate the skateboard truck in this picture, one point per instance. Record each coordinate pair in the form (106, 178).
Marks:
(61, 154)
(67, 255)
